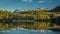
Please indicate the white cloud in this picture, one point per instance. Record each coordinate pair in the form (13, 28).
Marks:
(24, 0)
(45, 1)
(30, 0)
(42, 1)
(27, 0)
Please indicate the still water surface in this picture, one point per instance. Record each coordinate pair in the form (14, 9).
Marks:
(27, 32)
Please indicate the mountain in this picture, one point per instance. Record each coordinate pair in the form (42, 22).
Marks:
(56, 9)
(24, 11)
(19, 11)
(45, 9)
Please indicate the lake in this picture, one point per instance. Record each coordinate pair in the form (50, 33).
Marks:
(14, 31)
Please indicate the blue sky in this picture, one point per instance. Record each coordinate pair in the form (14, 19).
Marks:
(11, 5)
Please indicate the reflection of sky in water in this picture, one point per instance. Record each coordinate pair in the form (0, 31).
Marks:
(27, 32)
